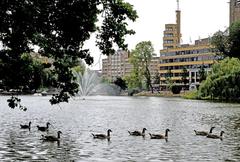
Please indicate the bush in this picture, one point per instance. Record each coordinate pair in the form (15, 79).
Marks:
(176, 89)
(191, 95)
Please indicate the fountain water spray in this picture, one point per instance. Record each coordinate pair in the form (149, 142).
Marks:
(90, 84)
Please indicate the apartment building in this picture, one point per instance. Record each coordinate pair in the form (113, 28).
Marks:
(118, 65)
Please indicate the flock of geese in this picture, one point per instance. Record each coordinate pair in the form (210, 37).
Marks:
(51, 138)
(43, 129)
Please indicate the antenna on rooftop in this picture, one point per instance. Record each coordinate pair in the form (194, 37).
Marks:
(177, 4)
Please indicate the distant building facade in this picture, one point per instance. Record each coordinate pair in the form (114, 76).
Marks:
(234, 11)
(118, 65)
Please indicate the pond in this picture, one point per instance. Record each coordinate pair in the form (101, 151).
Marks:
(79, 118)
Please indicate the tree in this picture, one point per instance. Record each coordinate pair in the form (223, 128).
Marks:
(168, 77)
(184, 77)
(141, 58)
(202, 74)
(134, 80)
(59, 29)
(228, 42)
(156, 78)
(223, 81)
(121, 83)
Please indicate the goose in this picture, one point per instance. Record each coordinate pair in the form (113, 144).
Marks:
(103, 136)
(204, 133)
(138, 133)
(26, 126)
(216, 136)
(43, 129)
(52, 138)
(159, 136)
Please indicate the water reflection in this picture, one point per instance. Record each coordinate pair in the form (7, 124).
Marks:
(78, 119)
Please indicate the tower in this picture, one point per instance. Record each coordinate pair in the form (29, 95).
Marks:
(234, 11)
(172, 33)
(178, 22)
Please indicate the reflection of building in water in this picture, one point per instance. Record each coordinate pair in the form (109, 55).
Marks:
(174, 56)
(234, 11)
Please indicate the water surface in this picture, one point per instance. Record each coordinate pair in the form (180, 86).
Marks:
(79, 118)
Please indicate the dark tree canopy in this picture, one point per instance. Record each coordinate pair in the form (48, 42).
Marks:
(121, 83)
(59, 28)
(228, 42)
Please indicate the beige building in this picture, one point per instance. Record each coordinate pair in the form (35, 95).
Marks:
(172, 33)
(118, 65)
(174, 57)
(234, 11)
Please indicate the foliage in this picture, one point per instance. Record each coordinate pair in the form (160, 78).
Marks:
(121, 83)
(32, 71)
(184, 77)
(140, 58)
(228, 42)
(59, 29)
(176, 89)
(80, 68)
(202, 74)
(156, 78)
(15, 102)
(168, 77)
(134, 80)
(223, 82)
(191, 95)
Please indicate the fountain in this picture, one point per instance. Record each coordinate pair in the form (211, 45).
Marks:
(90, 84)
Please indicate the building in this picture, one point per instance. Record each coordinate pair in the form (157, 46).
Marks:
(118, 65)
(172, 33)
(234, 11)
(175, 57)
(191, 57)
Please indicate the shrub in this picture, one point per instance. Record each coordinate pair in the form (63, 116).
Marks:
(176, 89)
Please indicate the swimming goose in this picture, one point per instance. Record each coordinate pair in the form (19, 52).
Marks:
(103, 136)
(26, 126)
(43, 129)
(138, 133)
(159, 136)
(52, 138)
(216, 136)
(203, 133)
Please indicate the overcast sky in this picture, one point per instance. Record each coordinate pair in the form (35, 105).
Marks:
(199, 19)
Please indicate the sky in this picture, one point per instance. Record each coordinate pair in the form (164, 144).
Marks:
(199, 19)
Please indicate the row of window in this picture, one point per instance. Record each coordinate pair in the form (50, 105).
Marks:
(168, 35)
(182, 66)
(184, 52)
(180, 81)
(198, 58)
(169, 29)
(168, 41)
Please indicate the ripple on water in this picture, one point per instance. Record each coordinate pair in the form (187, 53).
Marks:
(77, 120)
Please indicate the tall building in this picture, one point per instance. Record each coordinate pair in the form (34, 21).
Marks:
(234, 11)
(172, 33)
(175, 57)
